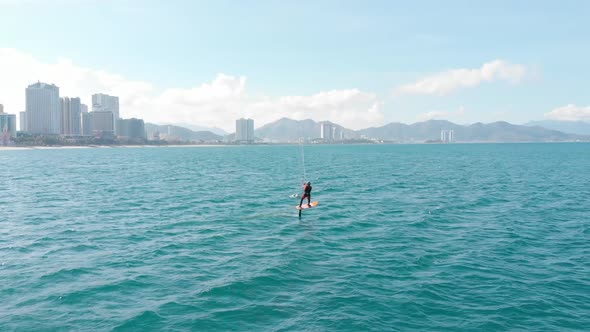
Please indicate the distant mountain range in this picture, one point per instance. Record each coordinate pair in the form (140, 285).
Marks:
(180, 133)
(570, 127)
(285, 130)
(197, 128)
(288, 130)
(478, 132)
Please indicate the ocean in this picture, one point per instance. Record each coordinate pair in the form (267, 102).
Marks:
(456, 237)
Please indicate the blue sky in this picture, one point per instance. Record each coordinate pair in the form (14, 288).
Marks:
(303, 48)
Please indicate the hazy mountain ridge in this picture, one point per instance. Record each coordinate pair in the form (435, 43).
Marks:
(506, 132)
(290, 130)
(198, 128)
(182, 133)
(286, 130)
(420, 131)
(570, 127)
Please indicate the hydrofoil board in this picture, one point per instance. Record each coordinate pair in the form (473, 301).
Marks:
(305, 206)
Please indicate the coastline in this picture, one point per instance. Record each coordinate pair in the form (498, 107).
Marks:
(71, 147)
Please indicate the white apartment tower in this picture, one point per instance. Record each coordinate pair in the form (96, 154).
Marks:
(245, 130)
(43, 109)
(103, 102)
(330, 132)
(447, 136)
(85, 121)
(71, 113)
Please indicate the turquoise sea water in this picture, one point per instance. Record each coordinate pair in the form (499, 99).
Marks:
(407, 237)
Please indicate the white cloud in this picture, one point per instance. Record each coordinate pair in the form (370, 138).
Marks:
(570, 112)
(17, 70)
(217, 103)
(448, 81)
(352, 108)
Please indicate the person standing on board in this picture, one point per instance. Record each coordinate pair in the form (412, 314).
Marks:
(306, 194)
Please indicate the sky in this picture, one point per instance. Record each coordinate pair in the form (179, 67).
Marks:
(356, 63)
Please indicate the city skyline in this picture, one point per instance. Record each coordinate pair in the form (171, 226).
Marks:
(102, 121)
(358, 65)
(49, 114)
(75, 125)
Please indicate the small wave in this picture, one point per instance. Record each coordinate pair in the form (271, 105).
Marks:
(117, 289)
(66, 274)
(145, 321)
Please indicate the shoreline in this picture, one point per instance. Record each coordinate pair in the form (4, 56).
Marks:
(73, 147)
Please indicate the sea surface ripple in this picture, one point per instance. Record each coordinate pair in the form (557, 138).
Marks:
(473, 237)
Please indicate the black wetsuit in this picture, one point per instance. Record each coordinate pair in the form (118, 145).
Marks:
(306, 193)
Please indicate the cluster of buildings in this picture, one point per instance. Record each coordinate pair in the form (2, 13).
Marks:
(244, 131)
(447, 136)
(48, 114)
(330, 132)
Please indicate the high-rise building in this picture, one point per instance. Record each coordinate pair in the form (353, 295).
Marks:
(337, 133)
(447, 136)
(22, 119)
(1, 108)
(103, 124)
(328, 131)
(86, 124)
(136, 129)
(70, 114)
(132, 129)
(444, 136)
(85, 121)
(245, 130)
(43, 109)
(7, 127)
(104, 103)
(123, 128)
